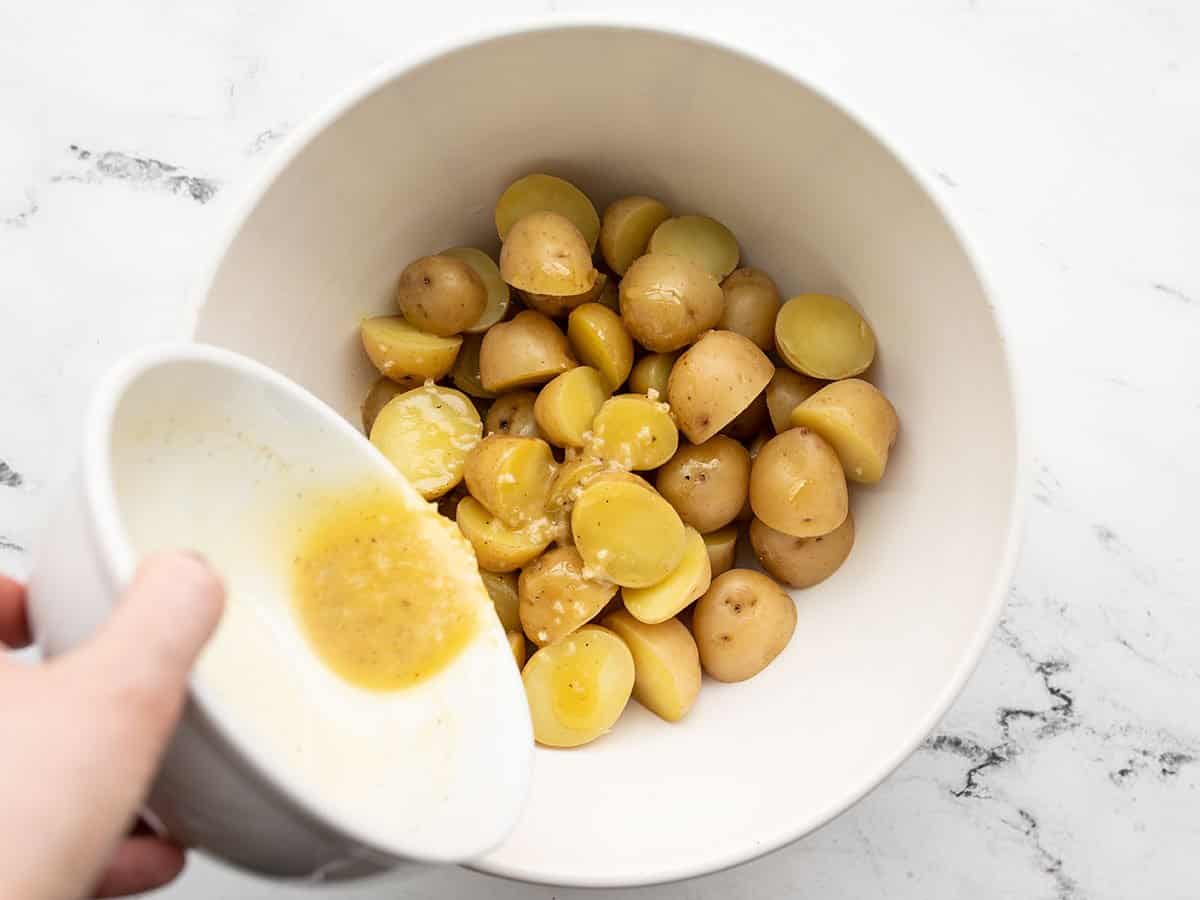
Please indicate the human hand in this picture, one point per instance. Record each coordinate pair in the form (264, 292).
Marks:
(82, 735)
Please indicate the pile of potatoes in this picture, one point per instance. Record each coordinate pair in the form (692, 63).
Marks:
(601, 412)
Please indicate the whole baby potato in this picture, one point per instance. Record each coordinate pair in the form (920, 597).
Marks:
(626, 227)
(714, 380)
(801, 562)
(545, 254)
(751, 304)
(529, 349)
(405, 354)
(558, 597)
(441, 295)
(797, 485)
(823, 337)
(383, 390)
(666, 664)
(786, 391)
(706, 483)
(741, 623)
(650, 373)
(555, 307)
(859, 423)
(513, 413)
(669, 301)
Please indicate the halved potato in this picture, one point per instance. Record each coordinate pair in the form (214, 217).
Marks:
(600, 340)
(801, 562)
(706, 483)
(627, 533)
(741, 623)
(824, 337)
(512, 413)
(686, 582)
(558, 595)
(466, 369)
(787, 390)
(651, 373)
(703, 240)
(498, 294)
(797, 485)
(440, 294)
(669, 301)
(516, 641)
(666, 663)
(529, 349)
(722, 548)
(858, 421)
(383, 390)
(634, 432)
(427, 433)
(565, 407)
(502, 588)
(714, 380)
(405, 355)
(511, 477)
(751, 304)
(498, 548)
(545, 254)
(578, 688)
(555, 307)
(751, 421)
(539, 192)
(626, 228)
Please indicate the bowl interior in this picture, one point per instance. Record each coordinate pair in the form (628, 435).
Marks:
(882, 647)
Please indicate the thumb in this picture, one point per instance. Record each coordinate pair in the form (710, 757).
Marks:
(138, 662)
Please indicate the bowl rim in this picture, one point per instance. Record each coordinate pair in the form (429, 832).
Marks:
(118, 561)
(343, 101)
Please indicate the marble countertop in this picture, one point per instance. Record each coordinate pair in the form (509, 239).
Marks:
(1066, 135)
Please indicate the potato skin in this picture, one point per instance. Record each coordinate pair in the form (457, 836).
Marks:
(714, 381)
(513, 413)
(383, 390)
(751, 303)
(441, 295)
(669, 301)
(557, 598)
(529, 349)
(797, 485)
(706, 483)
(544, 253)
(801, 562)
(651, 373)
(741, 624)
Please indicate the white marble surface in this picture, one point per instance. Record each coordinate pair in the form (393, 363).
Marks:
(1066, 134)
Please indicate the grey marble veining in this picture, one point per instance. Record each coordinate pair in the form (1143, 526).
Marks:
(1065, 137)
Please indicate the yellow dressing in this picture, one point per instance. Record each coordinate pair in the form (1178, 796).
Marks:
(372, 596)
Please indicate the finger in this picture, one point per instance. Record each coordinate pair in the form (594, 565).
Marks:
(138, 662)
(14, 625)
(140, 864)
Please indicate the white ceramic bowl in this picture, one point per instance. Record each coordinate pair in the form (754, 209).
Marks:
(277, 763)
(413, 161)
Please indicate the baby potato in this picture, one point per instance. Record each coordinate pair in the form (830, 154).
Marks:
(797, 485)
(703, 240)
(465, 374)
(752, 448)
(722, 548)
(578, 688)
(801, 562)
(824, 337)
(742, 623)
(786, 391)
(513, 414)
(565, 407)
(687, 581)
(498, 548)
(634, 432)
(545, 254)
(751, 303)
(406, 355)
(557, 597)
(669, 301)
(527, 350)
(714, 380)
(751, 421)
(650, 373)
(498, 293)
(610, 296)
(666, 663)
(706, 483)
(511, 477)
(626, 228)
(570, 480)
(600, 340)
(383, 390)
(626, 533)
(427, 433)
(516, 641)
(502, 588)
(539, 192)
(555, 307)
(858, 421)
(441, 295)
